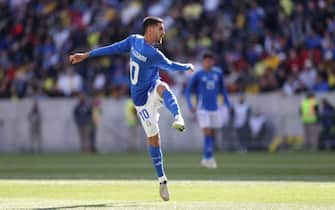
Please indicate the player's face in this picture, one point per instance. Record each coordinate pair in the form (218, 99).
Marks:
(159, 32)
(208, 63)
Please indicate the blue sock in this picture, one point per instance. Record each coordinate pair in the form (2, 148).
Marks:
(170, 102)
(208, 147)
(157, 160)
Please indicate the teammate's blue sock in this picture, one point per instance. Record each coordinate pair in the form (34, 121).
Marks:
(157, 159)
(208, 147)
(170, 102)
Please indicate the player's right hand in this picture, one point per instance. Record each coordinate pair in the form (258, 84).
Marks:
(78, 57)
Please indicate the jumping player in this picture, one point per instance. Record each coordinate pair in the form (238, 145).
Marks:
(147, 91)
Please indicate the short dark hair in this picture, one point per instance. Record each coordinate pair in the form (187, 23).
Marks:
(150, 21)
(208, 54)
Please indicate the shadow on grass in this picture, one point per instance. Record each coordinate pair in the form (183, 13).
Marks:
(102, 205)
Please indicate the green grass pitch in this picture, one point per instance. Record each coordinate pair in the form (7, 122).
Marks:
(284, 180)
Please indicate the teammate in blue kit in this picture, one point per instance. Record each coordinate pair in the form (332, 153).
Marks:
(207, 85)
(147, 91)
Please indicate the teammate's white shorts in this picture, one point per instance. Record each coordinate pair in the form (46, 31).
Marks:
(148, 113)
(210, 119)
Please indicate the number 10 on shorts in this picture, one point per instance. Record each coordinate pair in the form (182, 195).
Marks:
(144, 114)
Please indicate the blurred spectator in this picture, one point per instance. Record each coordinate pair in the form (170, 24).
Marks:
(308, 75)
(257, 125)
(292, 85)
(268, 82)
(245, 35)
(83, 118)
(310, 119)
(331, 79)
(225, 113)
(69, 83)
(293, 61)
(321, 84)
(228, 136)
(327, 119)
(241, 116)
(35, 123)
(133, 124)
(96, 115)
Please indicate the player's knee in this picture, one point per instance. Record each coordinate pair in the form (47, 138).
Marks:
(154, 140)
(161, 88)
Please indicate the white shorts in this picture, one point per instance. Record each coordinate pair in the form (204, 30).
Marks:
(148, 113)
(210, 119)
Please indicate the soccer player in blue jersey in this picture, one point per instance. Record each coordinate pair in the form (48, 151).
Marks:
(147, 91)
(207, 84)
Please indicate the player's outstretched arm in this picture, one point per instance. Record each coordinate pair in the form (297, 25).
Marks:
(116, 48)
(162, 62)
(78, 57)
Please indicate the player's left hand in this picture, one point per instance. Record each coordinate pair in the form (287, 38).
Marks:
(191, 69)
(78, 57)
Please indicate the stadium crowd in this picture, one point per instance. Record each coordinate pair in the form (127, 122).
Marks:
(262, 46)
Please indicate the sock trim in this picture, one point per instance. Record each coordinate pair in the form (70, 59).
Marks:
(162, 179)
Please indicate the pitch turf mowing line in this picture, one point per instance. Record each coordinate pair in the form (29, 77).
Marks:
(252, 166)
(89, 194)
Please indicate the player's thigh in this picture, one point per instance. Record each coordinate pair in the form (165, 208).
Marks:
(203, 118)
(149, 119)
(161, 87)
(216, 119)
(149, 114)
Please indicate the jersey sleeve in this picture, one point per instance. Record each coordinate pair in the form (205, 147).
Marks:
(191, 85)
(116, 48)
(162, 62)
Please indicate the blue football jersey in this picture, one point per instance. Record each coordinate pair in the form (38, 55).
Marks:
(206, 85)
(145, 63)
